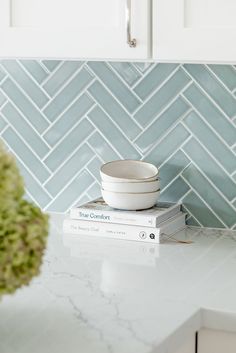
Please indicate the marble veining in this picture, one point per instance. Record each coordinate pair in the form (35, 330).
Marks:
(106, 296)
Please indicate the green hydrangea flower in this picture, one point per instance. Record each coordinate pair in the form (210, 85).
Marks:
(23, 229)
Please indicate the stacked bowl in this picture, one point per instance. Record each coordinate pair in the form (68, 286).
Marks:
(130, 184)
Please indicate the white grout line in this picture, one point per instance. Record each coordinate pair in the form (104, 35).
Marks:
(112, 120)
(207, 95)
(123, 81)
(105, 138)
(80, 94)
(29, 147)
(114, 97)
(45, 67)
(143, 75)
(68, 159)
(71, 154)
(209, 152)
(208, 206)
(167, 132)
(211, 183)
(217, 78)
(162, 111)
(176, 177)
(191, 215)
(24, 93)
(33, 79)
(207, 123)
(63, 86)
(51, 73)
(157, 89)
(52, 148)
(28, 170)
(22, 116)
(63, 189)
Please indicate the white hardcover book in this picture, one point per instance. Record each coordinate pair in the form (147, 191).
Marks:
(123, 231)
(99, 211)
(111, 230)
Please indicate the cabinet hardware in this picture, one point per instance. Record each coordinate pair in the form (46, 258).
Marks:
(130, 41)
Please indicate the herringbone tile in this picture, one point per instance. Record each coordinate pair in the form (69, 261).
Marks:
(62, 120)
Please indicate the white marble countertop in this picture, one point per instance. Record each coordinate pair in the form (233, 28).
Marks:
(111, 296)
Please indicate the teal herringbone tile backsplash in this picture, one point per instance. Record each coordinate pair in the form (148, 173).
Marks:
(62, 120)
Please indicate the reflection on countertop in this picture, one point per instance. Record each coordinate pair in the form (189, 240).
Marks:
(112, 296)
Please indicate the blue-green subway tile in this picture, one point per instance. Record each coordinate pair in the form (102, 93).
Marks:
(114, 94)
(175, 191)
(25, 130)
(161, 125)
(51, 65)
(212, 142)
(27, 108)
(25, 154)
(192, 222)
(115, 85)
(173, 167)
(94, 168)
(226, 73)
(2, 99)
(69, 169)
(211, 113)
(154, 79)
(201, 212)
(143, 66)
(114, 110)
(71, 117)
(35, 69)
(168, 145)
(213, 87)
(25, 82)
(33, 186)
(59, 78)
(68, 145)
(127, 71)
(102, 148)
(210, 168)
(82, 200)
(2, 75)
(72, 192)
(162, 97)
(3, 123)
(116, 138)
(68, 94)
(210, 195)
(95, 191)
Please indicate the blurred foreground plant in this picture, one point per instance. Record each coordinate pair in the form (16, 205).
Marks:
(23, 229)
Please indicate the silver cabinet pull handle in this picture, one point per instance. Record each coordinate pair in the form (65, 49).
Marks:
(130, 41)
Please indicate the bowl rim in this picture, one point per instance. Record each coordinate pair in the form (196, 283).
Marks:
(133, 161)
(129, 182)
(131, 194)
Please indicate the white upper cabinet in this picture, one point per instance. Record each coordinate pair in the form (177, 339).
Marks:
(97, 29)
(194, 30)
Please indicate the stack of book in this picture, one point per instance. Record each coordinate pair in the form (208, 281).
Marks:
(95, 218)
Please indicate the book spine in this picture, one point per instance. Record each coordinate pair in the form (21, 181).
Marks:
(112, 217)
(110, 230)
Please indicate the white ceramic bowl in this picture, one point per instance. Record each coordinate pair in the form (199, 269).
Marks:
(146, 186)
(130, 202)
(128, 171)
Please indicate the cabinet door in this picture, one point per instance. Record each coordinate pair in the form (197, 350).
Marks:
(74, 28)
(212, 341)
(195, 30)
